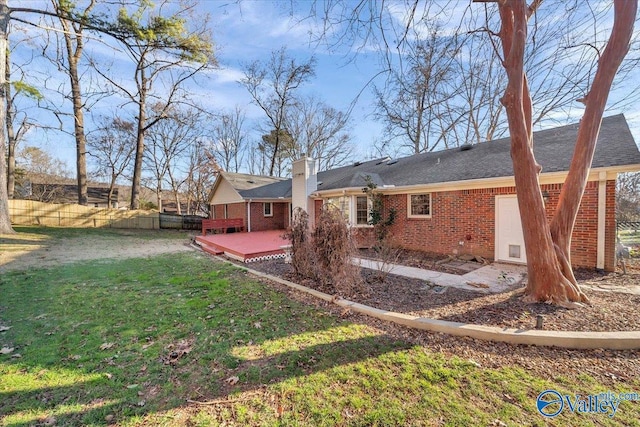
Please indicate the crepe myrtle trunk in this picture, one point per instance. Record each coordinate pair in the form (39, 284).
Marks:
(548, 245)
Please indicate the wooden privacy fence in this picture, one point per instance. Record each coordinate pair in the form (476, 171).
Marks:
(31, 212)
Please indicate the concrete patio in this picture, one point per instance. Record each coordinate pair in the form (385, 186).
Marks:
(493, 278)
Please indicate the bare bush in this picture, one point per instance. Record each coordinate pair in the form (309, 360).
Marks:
(302, 253)
(387, 256)
(335, 251)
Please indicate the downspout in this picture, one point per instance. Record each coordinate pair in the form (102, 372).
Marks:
(249, 216)
(602, 221)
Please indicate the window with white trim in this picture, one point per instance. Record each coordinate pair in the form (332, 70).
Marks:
(363, 211)
(356, 210)
(226, 211)
(419, 205)
(268, 208)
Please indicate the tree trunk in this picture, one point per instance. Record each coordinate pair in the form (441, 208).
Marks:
(11, 136)
(112, 186)
(137, 165)
(73, 57)
(178, 207)
(550, 277)
(5, 219)
(159, 195)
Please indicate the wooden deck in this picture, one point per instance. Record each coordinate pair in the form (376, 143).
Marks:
(245, 247)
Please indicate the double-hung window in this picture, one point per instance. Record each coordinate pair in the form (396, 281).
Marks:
(419, 205)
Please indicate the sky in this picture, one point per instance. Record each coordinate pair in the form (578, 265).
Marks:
(244, 33)
(248, 31)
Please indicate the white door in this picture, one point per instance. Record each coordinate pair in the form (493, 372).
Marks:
(509, 238)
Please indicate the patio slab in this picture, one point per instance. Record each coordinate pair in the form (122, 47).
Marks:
(493, 278)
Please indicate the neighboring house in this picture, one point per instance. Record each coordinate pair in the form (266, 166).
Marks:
(461, 200)
(97, 197)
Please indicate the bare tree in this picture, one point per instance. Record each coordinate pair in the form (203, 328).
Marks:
(272, 85)
(229, 139)
(628, 197)
(112, 146)
(169, 144)
(202, 171)
(318, 131)
(417, 91)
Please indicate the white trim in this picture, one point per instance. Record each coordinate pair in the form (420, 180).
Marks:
(352, 209)
(249, 216)
(410, 215)
(602, 211)
(264, 206)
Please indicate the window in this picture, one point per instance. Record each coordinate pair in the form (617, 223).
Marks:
(342, 204)
(226, 211)
(268, 209)
(420, 205)
(356, 210)
(362, 210)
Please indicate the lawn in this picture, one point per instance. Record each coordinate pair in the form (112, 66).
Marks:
(181, 339)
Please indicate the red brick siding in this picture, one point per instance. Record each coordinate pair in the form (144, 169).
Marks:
(469, 216)
(234, 210)
(259, 222)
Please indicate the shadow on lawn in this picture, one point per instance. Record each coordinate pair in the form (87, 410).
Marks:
(292, 341)
(254, 374)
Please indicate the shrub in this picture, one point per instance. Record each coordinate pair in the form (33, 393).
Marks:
(302, 253)
(325, 255)
(334, 253)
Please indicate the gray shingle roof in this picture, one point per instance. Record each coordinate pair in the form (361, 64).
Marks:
(243, 181)
(553, 149)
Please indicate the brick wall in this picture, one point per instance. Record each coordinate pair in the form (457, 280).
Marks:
(234, 210)
(278, 221)
(469, 216)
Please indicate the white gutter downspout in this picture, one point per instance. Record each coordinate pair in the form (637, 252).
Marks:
(249, 216)
(602, 204)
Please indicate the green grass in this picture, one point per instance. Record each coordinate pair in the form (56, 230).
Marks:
(96, 339)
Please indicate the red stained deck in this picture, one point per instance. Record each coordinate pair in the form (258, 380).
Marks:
(246, 247)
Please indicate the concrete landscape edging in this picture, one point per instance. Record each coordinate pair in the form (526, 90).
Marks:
(621, 340)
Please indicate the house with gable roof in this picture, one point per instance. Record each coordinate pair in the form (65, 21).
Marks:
(456, 201)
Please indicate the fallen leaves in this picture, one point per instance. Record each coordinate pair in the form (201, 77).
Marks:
(107, 346)
(232, 380)
(6, 350)
(177, 351)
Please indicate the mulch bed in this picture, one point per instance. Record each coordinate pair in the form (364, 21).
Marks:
(609, 311)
